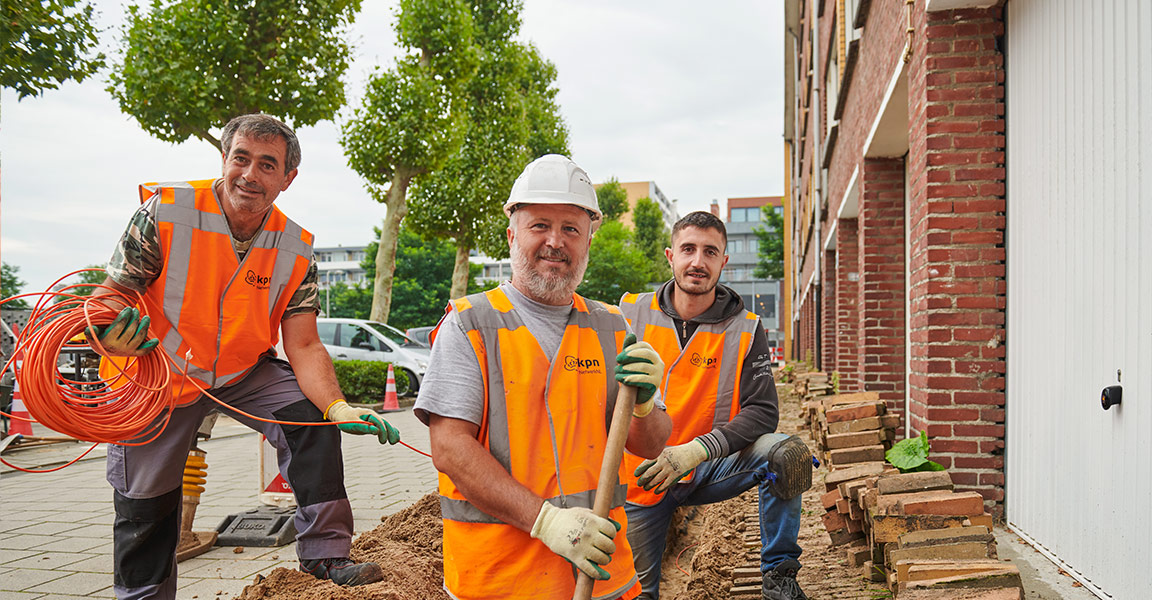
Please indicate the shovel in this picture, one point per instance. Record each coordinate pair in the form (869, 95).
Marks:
(609, 470)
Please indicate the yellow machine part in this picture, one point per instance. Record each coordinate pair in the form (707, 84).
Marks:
(195, 474)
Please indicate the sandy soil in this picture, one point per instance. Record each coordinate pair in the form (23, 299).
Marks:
(705, 545)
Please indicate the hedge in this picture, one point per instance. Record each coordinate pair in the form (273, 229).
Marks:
(363, 381)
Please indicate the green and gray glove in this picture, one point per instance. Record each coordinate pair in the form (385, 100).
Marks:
(640, 366)
(671, 466)
(125, 336)
(578, 535)
(371, 423)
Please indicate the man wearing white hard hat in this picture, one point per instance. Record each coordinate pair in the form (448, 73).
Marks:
(518, 399)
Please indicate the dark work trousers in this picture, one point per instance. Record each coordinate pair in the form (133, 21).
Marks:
(147, 480)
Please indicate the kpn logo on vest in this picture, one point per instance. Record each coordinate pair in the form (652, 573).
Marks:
(260, 282)
(582, 365)
(704, 362)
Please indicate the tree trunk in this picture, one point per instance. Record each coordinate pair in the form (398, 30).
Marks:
(397, 209)
(460, 273)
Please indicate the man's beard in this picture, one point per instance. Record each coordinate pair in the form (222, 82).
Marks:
(548, 288)
(682, 280)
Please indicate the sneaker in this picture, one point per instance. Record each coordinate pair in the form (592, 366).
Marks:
(342, 571)
(780, 582)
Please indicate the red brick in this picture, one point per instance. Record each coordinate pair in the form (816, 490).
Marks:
(834, 520)
(964, 503)
(829, 499)
(851, 413)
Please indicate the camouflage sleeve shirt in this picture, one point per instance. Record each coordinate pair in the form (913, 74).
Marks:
(138, 261)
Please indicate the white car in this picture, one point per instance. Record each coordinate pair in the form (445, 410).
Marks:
(360, 339)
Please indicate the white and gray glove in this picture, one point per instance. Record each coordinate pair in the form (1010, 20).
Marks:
(579, 536)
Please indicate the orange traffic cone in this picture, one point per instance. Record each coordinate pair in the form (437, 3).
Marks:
(391, 403)
(21, 421)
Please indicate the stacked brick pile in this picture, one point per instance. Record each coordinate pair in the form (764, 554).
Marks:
(811, 384)
(911, 530)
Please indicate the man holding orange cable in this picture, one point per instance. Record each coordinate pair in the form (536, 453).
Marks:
(222, 272)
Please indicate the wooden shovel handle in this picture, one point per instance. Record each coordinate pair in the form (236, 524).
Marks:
(609, 470)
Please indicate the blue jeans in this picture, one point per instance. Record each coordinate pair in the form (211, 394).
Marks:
(715, 481)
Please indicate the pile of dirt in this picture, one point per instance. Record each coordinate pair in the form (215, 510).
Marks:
(719, 548)
(407, 546)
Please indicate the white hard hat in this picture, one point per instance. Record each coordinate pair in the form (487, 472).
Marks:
(554, 179)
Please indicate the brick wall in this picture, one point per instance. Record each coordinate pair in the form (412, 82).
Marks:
(847, 322)
(881, 291)
(956, 160)
(828, 310)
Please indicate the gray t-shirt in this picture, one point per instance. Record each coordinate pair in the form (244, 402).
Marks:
(453, 386)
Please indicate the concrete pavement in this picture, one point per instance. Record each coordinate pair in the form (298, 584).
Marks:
(56, 528)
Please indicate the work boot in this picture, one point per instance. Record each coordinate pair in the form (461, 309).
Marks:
(780, 582)
(342, 571)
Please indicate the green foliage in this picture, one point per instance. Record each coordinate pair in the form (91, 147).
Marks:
(511, 118)
(422, 279)
(12, 285)
(189, 65)
(408, 124)
(911, 454)
(615, 265)
(613, 199)
(45, 43)
(652, 237)
(835, 380)
(364, 381)
(413, 118)
(771, 243)
(348, 301)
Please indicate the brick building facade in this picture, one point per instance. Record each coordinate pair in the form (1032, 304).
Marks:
(895, 129)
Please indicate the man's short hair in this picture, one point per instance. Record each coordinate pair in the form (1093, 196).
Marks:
(703, 220)
(263, 127)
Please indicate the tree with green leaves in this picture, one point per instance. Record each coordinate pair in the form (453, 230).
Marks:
(348, 301)
(770, 239)
(511, 118)
(45, 43)
(422, 279)
(613, 199)
(616, 265)
(652, 237)
(12, 285)
(187, 66)
(412, 119)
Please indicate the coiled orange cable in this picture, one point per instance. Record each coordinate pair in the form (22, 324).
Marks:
(125, 409)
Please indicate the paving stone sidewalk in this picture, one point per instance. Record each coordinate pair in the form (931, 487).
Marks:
(56, 528)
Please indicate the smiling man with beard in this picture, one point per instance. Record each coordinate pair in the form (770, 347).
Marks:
(518, 398)
(721, 396)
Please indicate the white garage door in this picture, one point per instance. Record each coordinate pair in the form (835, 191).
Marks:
(1079, 126)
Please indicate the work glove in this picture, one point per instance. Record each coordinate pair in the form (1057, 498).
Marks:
(371, 422)
(125, 336)
(640, 366)
(578, 535)
(671, 466)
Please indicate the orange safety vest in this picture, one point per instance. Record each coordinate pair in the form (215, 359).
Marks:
(701, 381)
(546, 422)
(215, 315)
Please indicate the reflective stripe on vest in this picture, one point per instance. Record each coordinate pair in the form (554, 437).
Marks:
(701, 381)
(216, 315)
(549, 434)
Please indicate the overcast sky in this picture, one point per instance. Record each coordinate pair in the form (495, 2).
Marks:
(684, 93)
